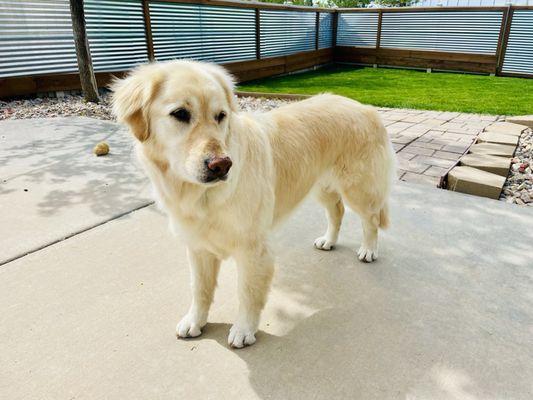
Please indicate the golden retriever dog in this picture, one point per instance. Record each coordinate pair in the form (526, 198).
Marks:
(225, 178)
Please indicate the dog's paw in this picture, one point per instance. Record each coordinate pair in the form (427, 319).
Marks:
(239, 337)
(188, 327)
(366, 254)
(323, 243)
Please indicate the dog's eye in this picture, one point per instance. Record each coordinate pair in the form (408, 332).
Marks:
(181, 114)
(220, 117)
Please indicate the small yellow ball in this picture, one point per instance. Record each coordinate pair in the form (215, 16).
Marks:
(101, 149)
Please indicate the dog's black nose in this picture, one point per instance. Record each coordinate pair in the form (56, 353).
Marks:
(219, 166)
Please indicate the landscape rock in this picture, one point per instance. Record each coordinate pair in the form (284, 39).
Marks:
(475, 181)
(526, 120)
(507, 128)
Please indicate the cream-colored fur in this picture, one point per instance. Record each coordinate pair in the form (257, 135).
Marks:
(329, 144)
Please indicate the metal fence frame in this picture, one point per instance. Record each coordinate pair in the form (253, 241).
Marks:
(326, 40)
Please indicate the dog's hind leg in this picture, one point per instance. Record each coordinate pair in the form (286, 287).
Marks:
(373, 215)
(204, 271)
(332, 202)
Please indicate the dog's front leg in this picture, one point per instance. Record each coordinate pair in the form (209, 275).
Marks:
(255, 269)
(204, 271)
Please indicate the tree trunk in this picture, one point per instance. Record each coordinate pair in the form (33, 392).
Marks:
(85, 64)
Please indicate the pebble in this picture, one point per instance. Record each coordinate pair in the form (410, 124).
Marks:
(101, 149)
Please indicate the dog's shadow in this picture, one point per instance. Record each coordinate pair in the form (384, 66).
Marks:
(414, 325)
(335, 354)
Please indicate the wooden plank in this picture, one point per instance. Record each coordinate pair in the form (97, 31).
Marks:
(438, 55)
(20, 85)
(421, 54)
(516, 75)
(245, 76)
(252, 4)
(148, 30)
(257, 34)
(504, 38)
(419, 9)
(416, 58)
(243, 70)
(287, 96)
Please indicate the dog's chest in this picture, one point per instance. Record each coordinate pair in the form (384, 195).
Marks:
(213, 229)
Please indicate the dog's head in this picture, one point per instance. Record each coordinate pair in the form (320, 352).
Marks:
(180, 113)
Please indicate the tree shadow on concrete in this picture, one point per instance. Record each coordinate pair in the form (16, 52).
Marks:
(446, 313)
(53, 159)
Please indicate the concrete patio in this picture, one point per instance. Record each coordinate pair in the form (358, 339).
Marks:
(445, 313)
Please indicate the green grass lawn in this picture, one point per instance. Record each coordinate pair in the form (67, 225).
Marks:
(410, 89)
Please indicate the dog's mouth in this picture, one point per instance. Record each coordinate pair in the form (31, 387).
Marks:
(215, 179)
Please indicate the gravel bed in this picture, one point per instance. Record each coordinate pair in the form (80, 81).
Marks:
(55, 107)
(77, 106)
(518, 188)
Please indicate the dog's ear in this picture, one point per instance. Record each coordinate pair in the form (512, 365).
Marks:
(132, 96)
(226, 80)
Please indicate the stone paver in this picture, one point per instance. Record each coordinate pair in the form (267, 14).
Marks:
(427, 143)
(498, 138)
(476, 182)
(493, 149)
(493, 164)
(526, 120)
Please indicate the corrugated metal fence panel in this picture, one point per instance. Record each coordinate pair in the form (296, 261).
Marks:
(452, 31)
(211, 33)
(115, 29)
(519, 53)
(325, 31)
(36, 38)
(357, 29)
(287, 32)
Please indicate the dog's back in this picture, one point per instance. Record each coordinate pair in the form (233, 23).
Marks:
(336, 142)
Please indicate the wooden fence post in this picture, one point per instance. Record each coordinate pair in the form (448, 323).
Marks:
(334, 33)
(148, 30)
(317, 29)
(378, 33)
(257, 34)
(83, 53)
(505, 29)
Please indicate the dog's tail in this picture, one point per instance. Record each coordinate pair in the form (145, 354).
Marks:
(384, 220)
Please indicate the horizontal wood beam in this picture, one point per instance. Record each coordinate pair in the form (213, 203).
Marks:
(243, 71)
(420, 9)
(252, 4)
(480, 63)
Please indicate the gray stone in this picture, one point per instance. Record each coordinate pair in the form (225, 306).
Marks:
(494, 164)
(493, 149)
(499, 138)
(526, 120)
(476, 182)
(506, 128)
